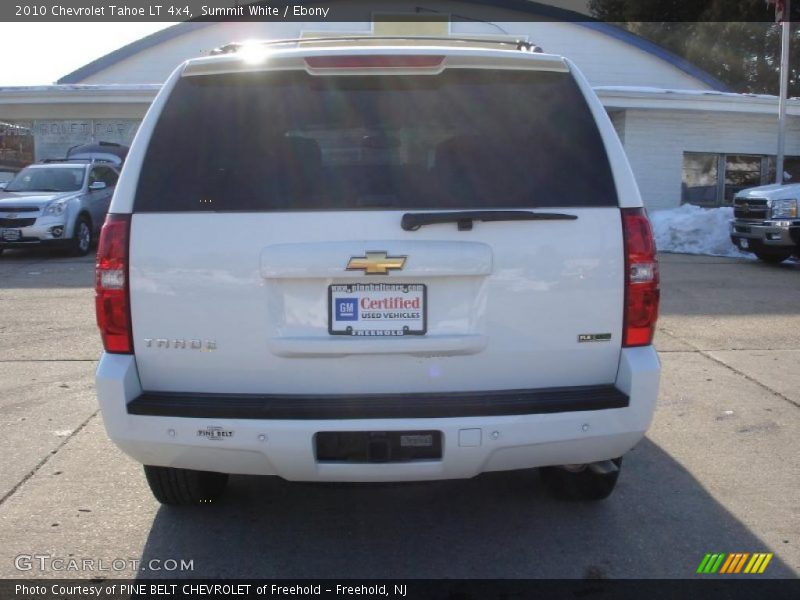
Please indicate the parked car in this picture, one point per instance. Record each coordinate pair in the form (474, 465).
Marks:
(377, 263)
(766, 221)
(56, 204)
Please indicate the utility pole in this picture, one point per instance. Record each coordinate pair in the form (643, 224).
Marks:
(786, 34)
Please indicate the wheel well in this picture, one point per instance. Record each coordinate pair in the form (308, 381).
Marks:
(82, 215)
(85, 215)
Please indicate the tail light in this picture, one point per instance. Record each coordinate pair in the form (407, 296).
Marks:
(111, 285)
(641, 279)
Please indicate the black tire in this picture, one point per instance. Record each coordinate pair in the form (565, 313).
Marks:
(81, 237)
(584, 485)
(773, 257)
(184, 487)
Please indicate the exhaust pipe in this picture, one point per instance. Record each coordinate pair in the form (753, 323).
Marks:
(604, 467)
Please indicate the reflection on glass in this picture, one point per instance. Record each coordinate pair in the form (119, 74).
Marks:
(699, 178)
(741, 172)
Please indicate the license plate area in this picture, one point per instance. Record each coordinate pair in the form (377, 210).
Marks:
(10, 235)
(377, 309)
(377, 446)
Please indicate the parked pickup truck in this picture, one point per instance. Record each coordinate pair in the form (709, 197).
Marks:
(766, 221)
(377, 263)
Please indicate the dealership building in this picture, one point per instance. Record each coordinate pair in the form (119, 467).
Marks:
(688, 138)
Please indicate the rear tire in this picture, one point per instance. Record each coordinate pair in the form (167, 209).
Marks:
(184, 487)
(81, 237)
(584, 485)
(773, 257)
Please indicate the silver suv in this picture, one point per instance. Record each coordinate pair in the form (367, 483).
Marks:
(56, 204)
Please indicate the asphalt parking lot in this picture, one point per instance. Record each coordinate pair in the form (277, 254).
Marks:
(718, 472)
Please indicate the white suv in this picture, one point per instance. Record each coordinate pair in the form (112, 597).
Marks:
(341, 262)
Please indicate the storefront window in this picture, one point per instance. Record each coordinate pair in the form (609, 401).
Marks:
(700, 178)
(791, 169)
(741, 172)
(16, 145)
(714, 179)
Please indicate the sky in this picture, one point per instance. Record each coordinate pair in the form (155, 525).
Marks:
(47, 51)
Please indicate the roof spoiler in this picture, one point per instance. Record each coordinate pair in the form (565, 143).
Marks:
(519, 44)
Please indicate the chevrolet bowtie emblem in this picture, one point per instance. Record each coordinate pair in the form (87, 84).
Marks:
(376, 263)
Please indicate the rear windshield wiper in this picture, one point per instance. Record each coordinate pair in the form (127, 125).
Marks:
(464, 218)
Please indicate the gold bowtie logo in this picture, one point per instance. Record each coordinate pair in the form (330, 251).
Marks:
(376, 263)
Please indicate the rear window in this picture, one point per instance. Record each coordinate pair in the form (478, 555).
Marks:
(282, 141)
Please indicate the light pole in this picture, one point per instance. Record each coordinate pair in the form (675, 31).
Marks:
(786, 34)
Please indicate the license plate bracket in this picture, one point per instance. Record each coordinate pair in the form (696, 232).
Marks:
(377, 309)
(10, 235)
(377, 446)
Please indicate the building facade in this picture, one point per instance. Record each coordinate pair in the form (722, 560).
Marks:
(688, 138)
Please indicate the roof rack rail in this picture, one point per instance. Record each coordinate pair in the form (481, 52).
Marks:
(518, 44)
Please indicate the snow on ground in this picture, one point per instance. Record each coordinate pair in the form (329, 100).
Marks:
(691, 229)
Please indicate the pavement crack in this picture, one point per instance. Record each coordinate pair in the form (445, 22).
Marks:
(694, 349)
(45, 360)
(719, 361)
(47, 458)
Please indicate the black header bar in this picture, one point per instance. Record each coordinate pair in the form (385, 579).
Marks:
(710, 588)
(369, 10)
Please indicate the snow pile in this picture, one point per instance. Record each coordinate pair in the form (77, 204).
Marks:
(691, 229)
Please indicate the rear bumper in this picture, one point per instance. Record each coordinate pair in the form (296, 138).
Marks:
(379, 406)
(472, 443)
